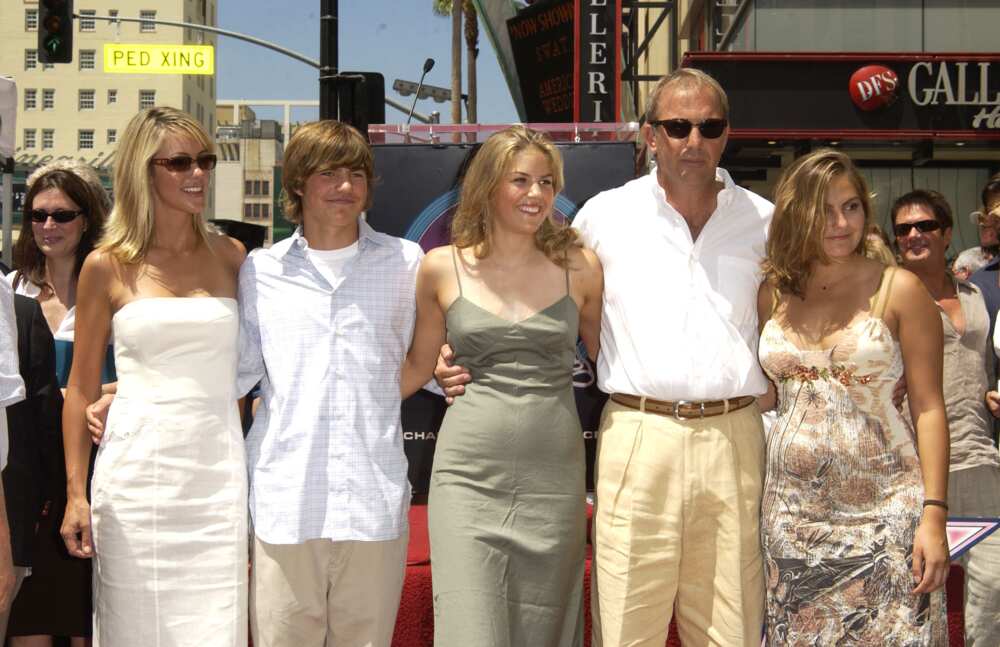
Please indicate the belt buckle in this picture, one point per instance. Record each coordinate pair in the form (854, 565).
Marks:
(680, 403)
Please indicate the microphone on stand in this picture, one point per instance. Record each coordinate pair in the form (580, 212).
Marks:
(428, 66)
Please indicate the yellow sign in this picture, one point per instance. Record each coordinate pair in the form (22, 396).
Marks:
(158, 59)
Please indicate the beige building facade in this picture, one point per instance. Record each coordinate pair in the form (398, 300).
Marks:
(248, 177)
(76, 110)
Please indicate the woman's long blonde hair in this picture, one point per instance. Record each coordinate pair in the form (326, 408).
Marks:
(472, 225)
(129, 230)
(798, 226)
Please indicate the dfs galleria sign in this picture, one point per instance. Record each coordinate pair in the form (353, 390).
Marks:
(868, 96)
(932, 83)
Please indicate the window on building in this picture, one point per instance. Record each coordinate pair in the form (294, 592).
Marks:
(29, 138)
(30, 98)
(211, 123)
(85, 139)
(201, 113)
(248, 188)
(112, 13)
(112, 135)
(48, 66)
(112, 96)
(86, 101)
(48, 99)
(265, 187)
(187, 103)
(265, 211)
(48, 138)
(88, 58)
(147, 15)
(147, 99)
(87, 22)
(256, 210)
(256, 187)
(30, 59)
(31, 20)
(246, 212)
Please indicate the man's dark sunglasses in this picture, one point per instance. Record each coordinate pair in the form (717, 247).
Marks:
(182, 163)
(903, 229)
(681, 128)
(61, 216)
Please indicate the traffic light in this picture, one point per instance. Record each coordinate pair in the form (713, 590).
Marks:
(55, 31)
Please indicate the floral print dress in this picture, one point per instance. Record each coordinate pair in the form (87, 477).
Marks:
(843, 495)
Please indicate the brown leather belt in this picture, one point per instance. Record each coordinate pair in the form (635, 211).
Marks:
(684, 409)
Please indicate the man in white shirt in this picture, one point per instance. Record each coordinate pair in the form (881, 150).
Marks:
(326, 318)
(680, 460)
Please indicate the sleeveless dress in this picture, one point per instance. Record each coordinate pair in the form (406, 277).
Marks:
(843, 494)
(506, 509)
(169, 493)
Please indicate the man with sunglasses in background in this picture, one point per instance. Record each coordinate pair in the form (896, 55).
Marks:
(922, 223)
(680, 460)
(975, 258)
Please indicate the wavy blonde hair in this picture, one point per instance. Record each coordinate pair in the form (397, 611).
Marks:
(472, 225)
(129, 230)
(798, 226)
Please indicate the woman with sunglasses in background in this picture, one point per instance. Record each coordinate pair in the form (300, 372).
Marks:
(64, 212)
(855, 499)
(167, 525)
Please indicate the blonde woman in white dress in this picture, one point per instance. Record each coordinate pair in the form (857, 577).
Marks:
(167, 524)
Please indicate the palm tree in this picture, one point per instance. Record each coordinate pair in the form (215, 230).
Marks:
(453, 9)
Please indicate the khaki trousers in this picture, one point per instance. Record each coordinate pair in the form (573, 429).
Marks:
(677, 528)
(326, 593)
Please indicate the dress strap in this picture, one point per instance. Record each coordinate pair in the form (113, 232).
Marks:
(884, 290)
(566, 258)
(454, 261)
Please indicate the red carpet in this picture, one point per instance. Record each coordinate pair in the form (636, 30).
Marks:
(415, 622)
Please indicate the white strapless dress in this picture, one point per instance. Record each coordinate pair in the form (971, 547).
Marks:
(169, 493)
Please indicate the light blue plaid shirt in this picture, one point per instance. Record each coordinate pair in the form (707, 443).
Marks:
(325, 453)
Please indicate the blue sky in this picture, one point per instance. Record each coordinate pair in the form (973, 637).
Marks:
(388, 36)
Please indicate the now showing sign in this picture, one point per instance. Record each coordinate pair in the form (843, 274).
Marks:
(158, 59)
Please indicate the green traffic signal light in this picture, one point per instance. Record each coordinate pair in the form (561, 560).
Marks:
(55, 31)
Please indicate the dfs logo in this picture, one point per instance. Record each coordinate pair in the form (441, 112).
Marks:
(873, 87)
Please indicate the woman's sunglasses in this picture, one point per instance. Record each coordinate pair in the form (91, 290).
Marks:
(902, 230)
(182, 163)
(681, 128)
(61, 217)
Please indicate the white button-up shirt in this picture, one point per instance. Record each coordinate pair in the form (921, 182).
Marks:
(680, 316)
(325, 453)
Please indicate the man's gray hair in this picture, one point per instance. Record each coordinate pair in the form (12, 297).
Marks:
(686, 77)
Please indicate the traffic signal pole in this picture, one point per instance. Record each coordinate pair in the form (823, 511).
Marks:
(328, 81)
